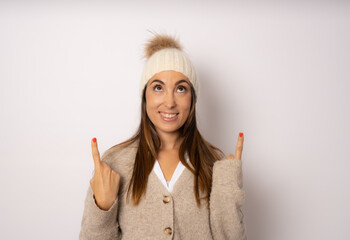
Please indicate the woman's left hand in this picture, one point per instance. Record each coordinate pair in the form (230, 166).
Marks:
(239, 148)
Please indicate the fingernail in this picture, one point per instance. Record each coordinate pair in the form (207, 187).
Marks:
(94, 139)
(241, 134)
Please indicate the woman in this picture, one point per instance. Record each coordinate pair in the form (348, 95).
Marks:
(167, 181)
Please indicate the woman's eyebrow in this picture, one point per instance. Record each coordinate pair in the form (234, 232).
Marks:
(161, 82)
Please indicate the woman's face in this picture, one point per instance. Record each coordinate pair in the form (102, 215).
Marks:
(168, 92)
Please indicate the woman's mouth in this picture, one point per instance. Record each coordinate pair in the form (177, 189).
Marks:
(168, 116)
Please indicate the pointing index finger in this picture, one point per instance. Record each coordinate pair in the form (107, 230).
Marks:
(239, 146)
(95, 153)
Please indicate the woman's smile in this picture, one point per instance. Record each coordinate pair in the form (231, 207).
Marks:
(168, 117)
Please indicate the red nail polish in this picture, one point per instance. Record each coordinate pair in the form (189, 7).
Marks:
(241, 134)
(94, 139)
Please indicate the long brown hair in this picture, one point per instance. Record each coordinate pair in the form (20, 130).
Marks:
(201, 153)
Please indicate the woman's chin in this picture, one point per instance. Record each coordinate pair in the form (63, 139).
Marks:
(168, 130)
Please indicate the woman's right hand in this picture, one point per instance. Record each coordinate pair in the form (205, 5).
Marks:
(105, 183)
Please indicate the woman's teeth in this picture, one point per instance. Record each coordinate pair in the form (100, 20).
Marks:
(168, 115)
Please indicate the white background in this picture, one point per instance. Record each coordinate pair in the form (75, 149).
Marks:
(277, 71)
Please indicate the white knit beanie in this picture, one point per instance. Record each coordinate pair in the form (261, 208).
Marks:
(165, 53)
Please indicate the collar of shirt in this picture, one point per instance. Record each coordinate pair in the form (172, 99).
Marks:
(169, 185)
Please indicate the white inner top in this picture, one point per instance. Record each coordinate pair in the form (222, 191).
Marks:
(169, 185)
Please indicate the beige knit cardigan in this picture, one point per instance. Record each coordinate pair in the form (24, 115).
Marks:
(164, 215)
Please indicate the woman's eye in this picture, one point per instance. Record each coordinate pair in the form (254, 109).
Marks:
(156, 86)
(182, 88)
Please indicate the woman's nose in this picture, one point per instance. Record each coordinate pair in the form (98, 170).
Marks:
(170, 100)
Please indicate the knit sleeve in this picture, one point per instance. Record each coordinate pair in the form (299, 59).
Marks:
(226, 200)
(98, 224)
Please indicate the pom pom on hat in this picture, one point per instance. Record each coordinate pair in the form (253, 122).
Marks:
(160, 42)
(165, 53)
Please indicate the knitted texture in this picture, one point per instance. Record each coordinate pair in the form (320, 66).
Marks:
(165, 53)
(179, 218)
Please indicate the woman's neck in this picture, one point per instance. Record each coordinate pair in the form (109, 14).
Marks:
(170, 141)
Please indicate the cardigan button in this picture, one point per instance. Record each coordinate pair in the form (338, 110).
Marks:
(168, 231)
(166, 199)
